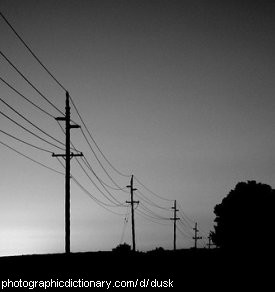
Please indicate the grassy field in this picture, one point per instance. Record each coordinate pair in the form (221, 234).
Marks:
(184, 268)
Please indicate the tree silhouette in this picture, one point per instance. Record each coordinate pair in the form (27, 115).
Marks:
(122, 248)
(245, 217)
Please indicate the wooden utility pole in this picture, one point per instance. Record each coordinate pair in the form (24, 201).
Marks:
(68, 155)
(196, 237)
(175, 221)
(210, 243)
(132, 202)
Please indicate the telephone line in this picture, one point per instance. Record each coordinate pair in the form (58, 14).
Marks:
(59, 83)
(184, 215)
(152, 212)
(101, 204)
(26, 79)
(27, 99)
(150, 202)
(37, 136)
(186, 222)
(153, 193)
(83, 188)
(125, 221)
(89, 133)
(88, 165)
(27, 143)
(73, 147)
(150, 218)
(187, 228)
(33, 160)
(118, 204)
(184, 233)
(109, 176)
(31, 51)
(55, 79)
(187, 231)
(31, 123)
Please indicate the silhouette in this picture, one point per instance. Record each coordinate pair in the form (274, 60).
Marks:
(122, 248)
(244, 218)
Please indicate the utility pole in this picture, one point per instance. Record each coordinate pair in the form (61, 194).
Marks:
(196, 237)
(67, 156)
(175, 220)
(132, 202)
(210, 243)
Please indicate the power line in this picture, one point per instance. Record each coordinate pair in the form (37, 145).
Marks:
(149, 211)
(55, 79)
(27, 143)
(89, 133)
(150, 218)
(99, 160)
(184, 215)
(153, 193)
(118, 204)
(37, 136)
(26, 79)
(184, 233)
(126, 218)
(185, 222)
(27, 99)
(99, 202)
(33, 160)
(86, 162)
(30, 50)
(184, 225)
(150, 202)
(73, 147)
(186, 230)
(27, 120)
(88, 165)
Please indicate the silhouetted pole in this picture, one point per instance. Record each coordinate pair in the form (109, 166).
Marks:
(175, 220)
(196, 237)
(68, 155)
(209, 244)
(132, 202)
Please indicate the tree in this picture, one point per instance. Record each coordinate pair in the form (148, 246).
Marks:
(245, 217)
(122, 248)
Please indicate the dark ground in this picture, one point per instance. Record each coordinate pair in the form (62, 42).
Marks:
(188, 269)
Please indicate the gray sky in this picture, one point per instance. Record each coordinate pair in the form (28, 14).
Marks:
(178, 93)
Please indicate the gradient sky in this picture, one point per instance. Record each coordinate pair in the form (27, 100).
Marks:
(178, 93)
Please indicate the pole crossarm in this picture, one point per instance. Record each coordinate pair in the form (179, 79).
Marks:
(134, 202)
(71, 155)
(74, 127)
(60, 119)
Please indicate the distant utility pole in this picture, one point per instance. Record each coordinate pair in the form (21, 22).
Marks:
(196, 237)
(210, 243)
(175, 221)
(67, 156)
(132, 202)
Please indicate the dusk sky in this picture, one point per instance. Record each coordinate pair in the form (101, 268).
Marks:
(178, 93)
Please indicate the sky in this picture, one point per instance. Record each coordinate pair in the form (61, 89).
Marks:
(178, 93)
